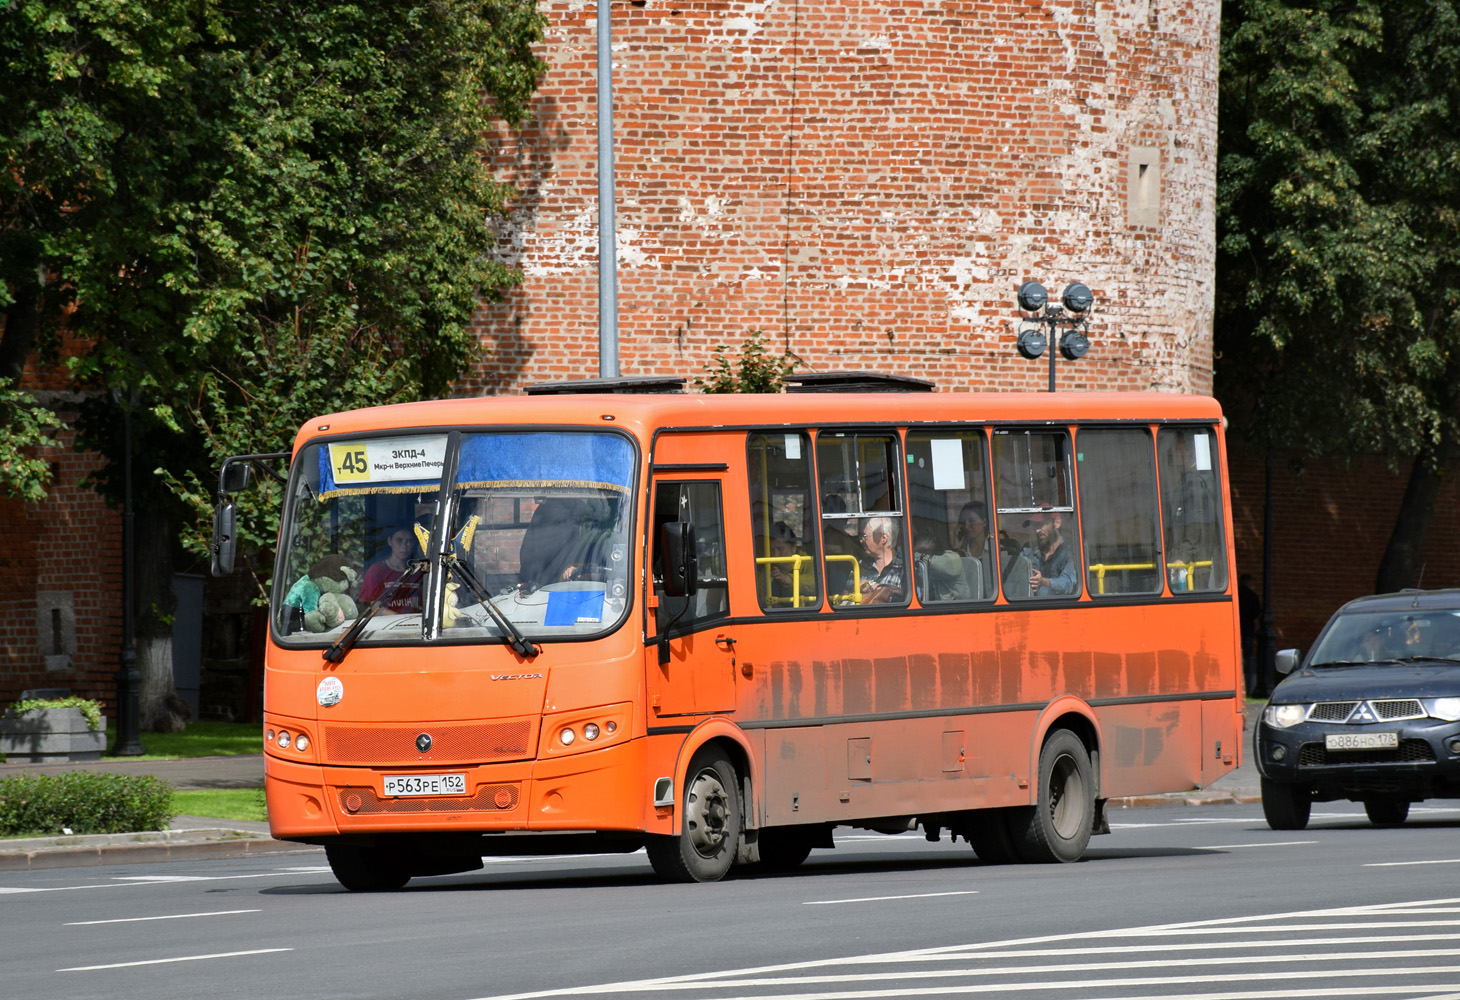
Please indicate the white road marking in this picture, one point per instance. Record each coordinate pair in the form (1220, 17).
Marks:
(1401, 864)
(181, 958)
(880, 899)
(171, 916)
(1274, 843)
(1247, 925)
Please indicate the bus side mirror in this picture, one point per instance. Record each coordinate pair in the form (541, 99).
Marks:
(235, 476)
(681, 559)
(1284, 661)
(225, 542)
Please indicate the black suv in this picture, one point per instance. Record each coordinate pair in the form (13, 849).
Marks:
(1373, 715)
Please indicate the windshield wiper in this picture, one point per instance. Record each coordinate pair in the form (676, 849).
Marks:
(346, 642)
(513, 636)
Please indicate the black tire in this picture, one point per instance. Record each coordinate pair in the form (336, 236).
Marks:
(367, 869)
(710, 823)
(783, 849)
(1387, 811)
(1286, 806)
(988, 835)
(1057, 828)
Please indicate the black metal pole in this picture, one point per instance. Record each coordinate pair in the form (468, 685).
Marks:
(1052, 348)
(1266, 634)
(129, 679)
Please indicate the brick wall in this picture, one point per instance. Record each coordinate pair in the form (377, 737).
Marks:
(870, 184)
(1331, 523)
(60, 586)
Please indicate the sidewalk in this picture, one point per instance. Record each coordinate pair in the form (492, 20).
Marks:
(192, 837)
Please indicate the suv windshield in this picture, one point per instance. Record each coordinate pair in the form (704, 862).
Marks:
(536, 522)
(1390, 636)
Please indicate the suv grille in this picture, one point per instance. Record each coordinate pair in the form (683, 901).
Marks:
(1390, 710)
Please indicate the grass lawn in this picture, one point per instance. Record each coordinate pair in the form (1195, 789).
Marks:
(222, 803)
(200, 739)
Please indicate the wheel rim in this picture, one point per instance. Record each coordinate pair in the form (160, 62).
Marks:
(707, 812)
(1066, 797)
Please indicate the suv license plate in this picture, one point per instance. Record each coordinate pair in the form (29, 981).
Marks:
(425, 784)
(1361, 741)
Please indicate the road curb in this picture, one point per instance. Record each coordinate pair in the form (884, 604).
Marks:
(142, 849)
(1207, 798)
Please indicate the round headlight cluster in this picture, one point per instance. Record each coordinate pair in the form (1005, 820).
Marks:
(282, 738)
(1284, 716)
(567, 736)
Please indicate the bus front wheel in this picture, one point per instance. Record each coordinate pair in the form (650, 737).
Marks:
(367, 869)
(1057, 827)
(709, 825)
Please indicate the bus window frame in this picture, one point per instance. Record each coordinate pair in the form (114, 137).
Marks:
(896, 492)
(985, 434)
(1160, 540)
(280, 585)
(1070, 515)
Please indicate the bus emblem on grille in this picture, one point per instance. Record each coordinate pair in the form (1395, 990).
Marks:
(423, 742)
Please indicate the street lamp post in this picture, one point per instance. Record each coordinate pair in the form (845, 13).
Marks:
(129, 678)
(1068, 323)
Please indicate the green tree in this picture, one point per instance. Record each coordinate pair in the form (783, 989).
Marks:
(756, 370)
(1338, 214)
(247, 215)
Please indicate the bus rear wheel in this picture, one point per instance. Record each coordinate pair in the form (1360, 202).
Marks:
(367, 869)
(1058, 826)
(710, 823)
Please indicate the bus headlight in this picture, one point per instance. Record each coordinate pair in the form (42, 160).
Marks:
(1446, 708)
(1284, 716)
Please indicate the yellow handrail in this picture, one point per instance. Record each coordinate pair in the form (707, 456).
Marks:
(855, 597)
(795, 561)
(1100, 569)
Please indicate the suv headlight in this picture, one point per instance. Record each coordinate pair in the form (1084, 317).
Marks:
(1446, 708)
(1283, 716)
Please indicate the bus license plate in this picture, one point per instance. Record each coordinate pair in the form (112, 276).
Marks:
(1361, 741)
(425, 784)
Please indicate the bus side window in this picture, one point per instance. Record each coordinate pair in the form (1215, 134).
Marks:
(947, 482)
(1191, 509)
(1117, 472)
(1038, 539)
(783, 520)
(698, 503)
(863, 531)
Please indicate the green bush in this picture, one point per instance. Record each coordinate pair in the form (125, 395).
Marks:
(84, 802)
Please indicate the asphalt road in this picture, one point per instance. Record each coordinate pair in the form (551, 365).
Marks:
(1194, 903)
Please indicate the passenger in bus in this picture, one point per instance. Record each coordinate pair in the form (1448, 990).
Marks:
(783, 544)
(973, 546)
(839, 542)
(381, 577)
(938, 569)
(1052, 571)
(565, 540)
(884, 572)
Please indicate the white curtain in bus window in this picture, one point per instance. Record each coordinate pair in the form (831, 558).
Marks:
(697, 503)
(947, 488)
(1191, 509)
(1038, 542)
(862, 530)
(1116, 469)
(783, 521)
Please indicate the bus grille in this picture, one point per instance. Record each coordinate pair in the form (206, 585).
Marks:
(1408, 752)
(381, 746)
(489, 798)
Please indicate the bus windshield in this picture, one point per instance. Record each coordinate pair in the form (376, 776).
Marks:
(535, 522)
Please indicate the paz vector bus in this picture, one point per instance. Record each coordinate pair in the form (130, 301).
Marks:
(609, 615)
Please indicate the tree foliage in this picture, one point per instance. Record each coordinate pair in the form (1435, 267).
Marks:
(1338, 277)
(1338, 214)
(756, 370)
(231, 206)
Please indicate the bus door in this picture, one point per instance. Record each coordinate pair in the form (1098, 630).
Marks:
(689, 660)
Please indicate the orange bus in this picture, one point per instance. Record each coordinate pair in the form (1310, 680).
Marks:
(608, 615)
